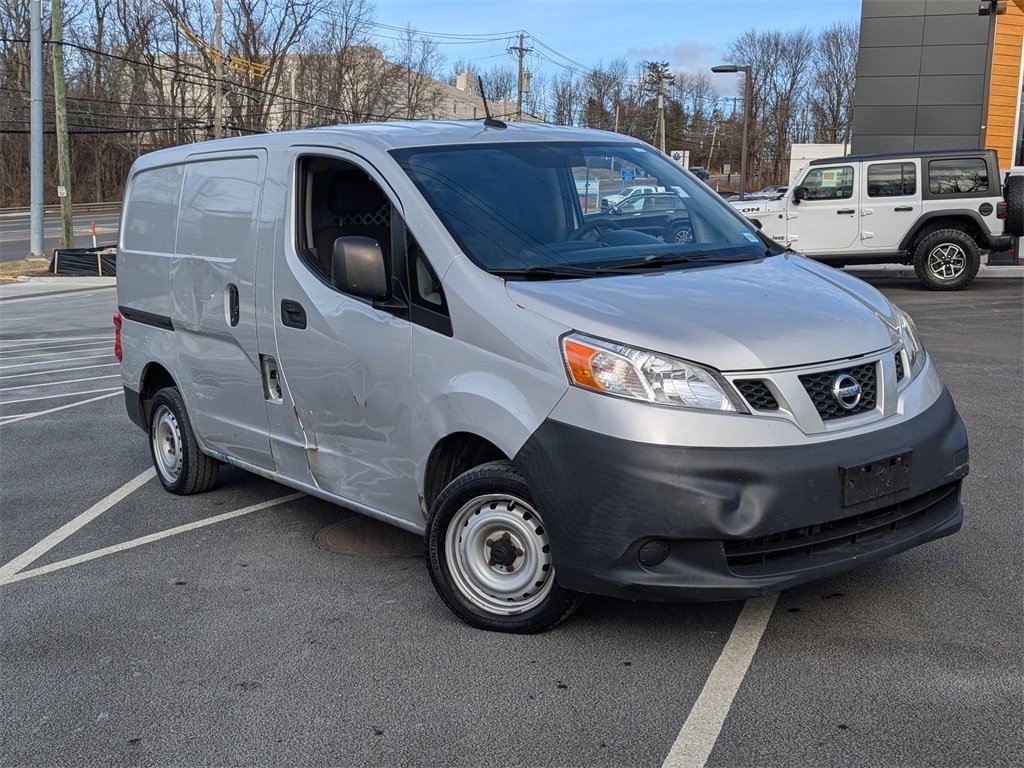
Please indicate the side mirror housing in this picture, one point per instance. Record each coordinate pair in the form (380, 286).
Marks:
(357, 268)
(799, 193)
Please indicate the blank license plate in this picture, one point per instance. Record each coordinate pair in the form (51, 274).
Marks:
(876, 478)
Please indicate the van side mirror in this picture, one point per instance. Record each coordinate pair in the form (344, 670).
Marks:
(357, 268)
(799, 193)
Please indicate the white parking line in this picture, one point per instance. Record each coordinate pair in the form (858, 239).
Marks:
(55, 538)
(19, 576)
(61, 360)
(44, 346)
(57, 383)
(8, 344)
(92, 345)
(5, 420)
(66, 394)
(57, 370)
(699, 733)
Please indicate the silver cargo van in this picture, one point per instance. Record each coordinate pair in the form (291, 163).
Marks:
(419, 321)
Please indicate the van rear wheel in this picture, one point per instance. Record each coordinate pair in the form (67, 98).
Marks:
(182, 468)
(489, 557)
(947, 260)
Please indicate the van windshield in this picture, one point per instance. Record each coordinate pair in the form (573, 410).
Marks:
(575, 209)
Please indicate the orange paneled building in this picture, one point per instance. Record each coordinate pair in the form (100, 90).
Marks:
(1004, 126)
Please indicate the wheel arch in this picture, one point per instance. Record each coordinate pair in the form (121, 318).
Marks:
(154, 378)
(452, 455)
(967, 221)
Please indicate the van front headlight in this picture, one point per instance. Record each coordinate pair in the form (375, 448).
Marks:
(637, 374)
(911, 342)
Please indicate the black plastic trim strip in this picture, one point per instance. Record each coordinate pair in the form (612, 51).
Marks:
(146, 318)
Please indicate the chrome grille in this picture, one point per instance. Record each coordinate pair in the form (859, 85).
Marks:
(819, 388)
(757, 394)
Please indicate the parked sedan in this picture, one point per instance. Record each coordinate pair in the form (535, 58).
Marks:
(660, 214)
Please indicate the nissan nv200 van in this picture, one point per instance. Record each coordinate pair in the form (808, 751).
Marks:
(420, 322)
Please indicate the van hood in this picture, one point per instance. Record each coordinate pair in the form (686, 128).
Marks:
(779, 312)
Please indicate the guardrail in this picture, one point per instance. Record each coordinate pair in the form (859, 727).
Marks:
(52, 210)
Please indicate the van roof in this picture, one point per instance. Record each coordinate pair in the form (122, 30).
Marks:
(387, 136)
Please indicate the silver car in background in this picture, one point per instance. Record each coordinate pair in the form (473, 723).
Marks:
(417, 321)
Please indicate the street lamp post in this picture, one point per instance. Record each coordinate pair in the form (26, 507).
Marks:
(733, 68)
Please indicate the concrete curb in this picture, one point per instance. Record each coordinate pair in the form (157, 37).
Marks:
(898, 270)
(95, 282)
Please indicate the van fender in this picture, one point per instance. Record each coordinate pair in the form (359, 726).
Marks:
(486, 405)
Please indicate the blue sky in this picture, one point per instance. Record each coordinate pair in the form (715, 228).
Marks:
(689, 34)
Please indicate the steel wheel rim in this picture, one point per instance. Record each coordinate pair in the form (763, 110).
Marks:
(167, 444)
(471, 542)
(947, 261)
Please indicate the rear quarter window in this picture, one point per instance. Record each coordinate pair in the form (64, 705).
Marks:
(151, 213)
(216, 221)
(957, 176)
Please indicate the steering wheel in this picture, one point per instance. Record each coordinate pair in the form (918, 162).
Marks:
(593, 226)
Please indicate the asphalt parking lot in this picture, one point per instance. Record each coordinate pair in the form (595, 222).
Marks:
(140, 628)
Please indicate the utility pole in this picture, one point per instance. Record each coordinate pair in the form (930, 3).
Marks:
(661, 111)
(616, 118)
(36, 128)
(218, 74)
(61, 104)
(522, 50)
(711, 153)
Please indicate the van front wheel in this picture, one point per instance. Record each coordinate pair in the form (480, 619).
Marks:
(182, 468)
(489, 557)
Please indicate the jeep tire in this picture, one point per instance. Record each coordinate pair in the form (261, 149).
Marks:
(946, 260)
(1014, 194)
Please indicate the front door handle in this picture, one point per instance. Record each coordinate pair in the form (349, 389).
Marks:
(841, 211)
(292, 314)
(904, 208)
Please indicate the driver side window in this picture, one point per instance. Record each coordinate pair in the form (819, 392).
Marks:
(829, 183)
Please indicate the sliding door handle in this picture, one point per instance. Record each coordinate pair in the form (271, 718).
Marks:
(841, 211)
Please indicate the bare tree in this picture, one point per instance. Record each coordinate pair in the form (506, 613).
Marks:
(418, 65)
(832, 82)
(566, 99)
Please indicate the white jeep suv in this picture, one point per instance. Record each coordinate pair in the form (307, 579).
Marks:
(936, 210)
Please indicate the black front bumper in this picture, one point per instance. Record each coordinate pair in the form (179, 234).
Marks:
(737, 522)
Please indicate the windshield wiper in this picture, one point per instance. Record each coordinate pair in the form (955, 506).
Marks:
(656, 260)
(543, 270)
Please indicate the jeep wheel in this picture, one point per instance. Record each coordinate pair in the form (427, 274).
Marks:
(946, 260)
(489, 557)
(1014, 194)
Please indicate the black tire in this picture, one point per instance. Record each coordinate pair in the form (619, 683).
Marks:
(481, 524)
(181, 467)
(1014, 194)
(947, 260)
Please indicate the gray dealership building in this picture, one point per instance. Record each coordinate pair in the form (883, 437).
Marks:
(937, 74)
